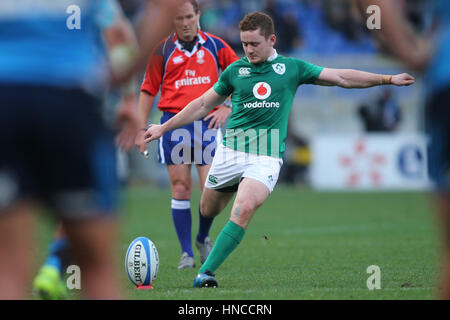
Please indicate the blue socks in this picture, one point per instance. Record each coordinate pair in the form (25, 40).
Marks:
(182, 220)
(181, 216)
(204, 225)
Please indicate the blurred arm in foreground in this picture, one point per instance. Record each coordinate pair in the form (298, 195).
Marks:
(396, 34)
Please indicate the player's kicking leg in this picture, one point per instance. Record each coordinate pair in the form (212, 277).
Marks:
(212, 203)
(202, 240)
(250, 196)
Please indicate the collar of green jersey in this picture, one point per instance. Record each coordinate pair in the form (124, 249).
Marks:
(273, 56)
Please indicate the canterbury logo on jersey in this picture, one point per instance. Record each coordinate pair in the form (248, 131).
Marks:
(177, 59)
(244, 71)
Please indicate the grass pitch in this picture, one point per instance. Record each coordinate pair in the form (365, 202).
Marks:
(300, 244)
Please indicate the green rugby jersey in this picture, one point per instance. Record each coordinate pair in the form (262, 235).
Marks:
(262, 97)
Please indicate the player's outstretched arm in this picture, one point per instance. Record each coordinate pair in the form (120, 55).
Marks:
(349, 78)
(195, 110)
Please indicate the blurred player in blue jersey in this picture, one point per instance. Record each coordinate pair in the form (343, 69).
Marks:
(120, 42)
(55, 147)
(437, 83)
(433, 59)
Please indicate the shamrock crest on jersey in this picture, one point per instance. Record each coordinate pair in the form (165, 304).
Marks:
(279, 68)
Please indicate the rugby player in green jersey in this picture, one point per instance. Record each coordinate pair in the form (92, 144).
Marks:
(262, 86)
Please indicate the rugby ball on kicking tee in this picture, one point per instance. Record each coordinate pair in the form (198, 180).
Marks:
(142, 261)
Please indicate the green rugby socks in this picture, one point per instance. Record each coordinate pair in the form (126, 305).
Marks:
(228, 239)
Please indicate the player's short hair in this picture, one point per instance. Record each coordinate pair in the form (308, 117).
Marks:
(194, 5)
(255, 20)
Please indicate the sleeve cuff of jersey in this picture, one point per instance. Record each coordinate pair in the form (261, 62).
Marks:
(319, 71)
(148, 91)
(220, 91)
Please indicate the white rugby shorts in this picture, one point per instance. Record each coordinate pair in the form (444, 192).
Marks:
(230, 166)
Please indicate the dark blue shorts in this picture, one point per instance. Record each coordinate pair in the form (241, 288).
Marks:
(191, 144)
(438, 129)
(55, 147)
